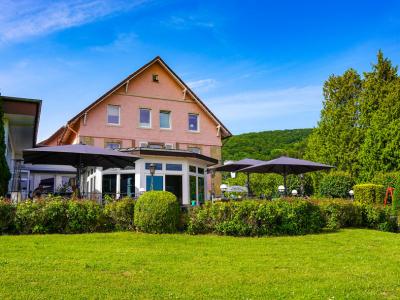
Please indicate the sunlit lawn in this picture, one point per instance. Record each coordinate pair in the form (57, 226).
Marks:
(348, 264)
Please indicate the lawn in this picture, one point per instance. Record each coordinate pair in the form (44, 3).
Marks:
(348, 264)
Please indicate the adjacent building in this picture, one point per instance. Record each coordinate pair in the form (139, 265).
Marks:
(154, 114)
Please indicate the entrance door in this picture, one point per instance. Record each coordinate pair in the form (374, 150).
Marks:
(127, 185)
(173, 184)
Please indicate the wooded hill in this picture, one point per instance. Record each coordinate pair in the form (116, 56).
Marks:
(266, 145)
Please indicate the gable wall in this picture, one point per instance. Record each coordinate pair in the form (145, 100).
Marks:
(144, 93)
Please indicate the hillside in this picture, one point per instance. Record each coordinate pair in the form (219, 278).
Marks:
(266, 144)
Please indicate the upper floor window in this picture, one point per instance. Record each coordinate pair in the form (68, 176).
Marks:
(145, 118)
(165, 119)
(113, 112)
(193, 122)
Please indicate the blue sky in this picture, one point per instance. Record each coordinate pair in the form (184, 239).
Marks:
(259, 65)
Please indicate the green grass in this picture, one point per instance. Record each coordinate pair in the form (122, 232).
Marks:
(356, 264)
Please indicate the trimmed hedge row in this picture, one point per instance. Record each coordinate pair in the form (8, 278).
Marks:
(157, 212)
(57, 215)
(283, 217)
(369, 193)
(256, 218)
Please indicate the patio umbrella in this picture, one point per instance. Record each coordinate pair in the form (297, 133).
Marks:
(78, 156)
(237, 166)
(286, 165)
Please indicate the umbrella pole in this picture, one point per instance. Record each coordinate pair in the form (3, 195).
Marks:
(284, 183)
(248, 185)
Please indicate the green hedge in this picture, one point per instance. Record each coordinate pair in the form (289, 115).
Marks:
(7, 216)
(282, 217)
(256, 218)
(120, 214)
(157, 212)
(336, 185)
(369, 193)
(344, 213)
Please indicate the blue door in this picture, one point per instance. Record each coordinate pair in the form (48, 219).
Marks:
(158, 183)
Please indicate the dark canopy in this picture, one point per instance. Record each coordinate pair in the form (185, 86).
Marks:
(235, 166)
(286, 165)
(78, 155)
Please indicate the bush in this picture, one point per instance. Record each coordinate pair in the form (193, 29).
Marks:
(119, 214)
(369, 193)
(28, 217)
(336, 185)
(53, 216)
(7, 216)
(386, 179)
(157, 212)
(256, 218)
(84, 216)
(344, 213)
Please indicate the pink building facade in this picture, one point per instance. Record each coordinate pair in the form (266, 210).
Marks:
(153, 113)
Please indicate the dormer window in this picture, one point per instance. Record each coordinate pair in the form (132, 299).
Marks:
(113, 112)
(155, 77)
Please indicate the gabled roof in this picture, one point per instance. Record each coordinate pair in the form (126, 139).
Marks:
(225, 132)
(53, 136)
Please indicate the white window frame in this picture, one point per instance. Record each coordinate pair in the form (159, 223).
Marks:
(169, 121)
(198, 122)
(150, 123)
(191, 148)
(119, 114)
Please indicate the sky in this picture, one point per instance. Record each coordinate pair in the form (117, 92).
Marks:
(259, 65)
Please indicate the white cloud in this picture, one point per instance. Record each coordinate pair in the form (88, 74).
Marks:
(272, 103)
(123, 42)
(188, 22)
(23, 19)
(202, 84)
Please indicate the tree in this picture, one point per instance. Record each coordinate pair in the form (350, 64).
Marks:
(337, 137)
(4, 171)
(380, 117)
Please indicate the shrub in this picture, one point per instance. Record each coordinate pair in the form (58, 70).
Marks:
(28, 217)
(7, 216)
(52, 217)
(157, 212)
(251, 218)
(119, 214)
(387, 179)
(84, 216)
(341, 213)
(336, 185)
(369, 193)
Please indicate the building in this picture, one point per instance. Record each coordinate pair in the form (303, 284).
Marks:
(21, 122)
(154, 114)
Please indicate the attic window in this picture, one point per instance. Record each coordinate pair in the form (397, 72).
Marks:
(155, 77)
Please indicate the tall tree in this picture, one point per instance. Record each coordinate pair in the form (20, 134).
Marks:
(337, 137)
(380, 118)
(4, 171)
